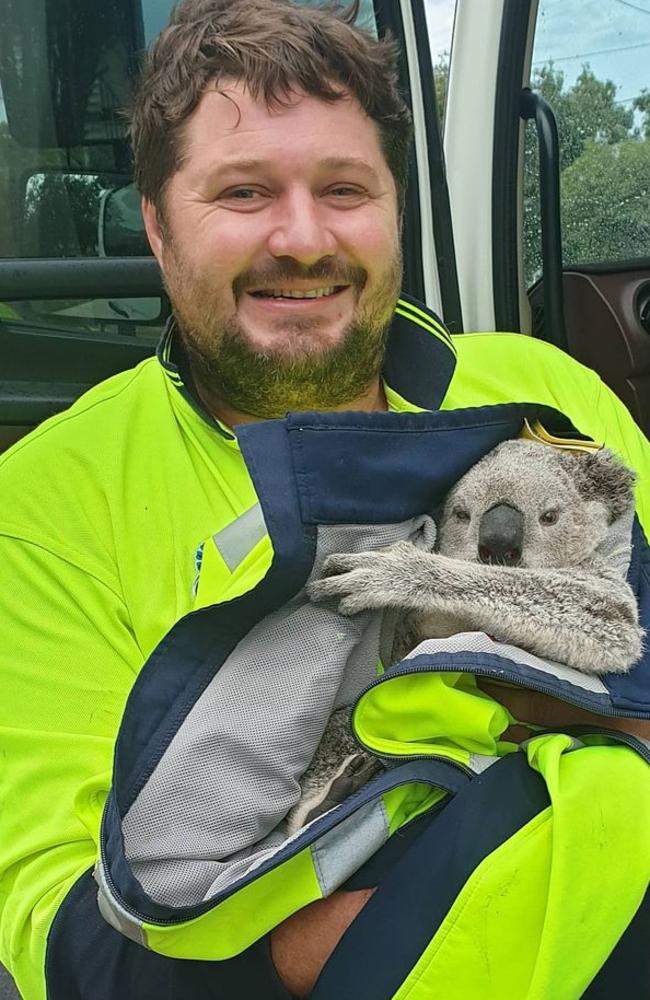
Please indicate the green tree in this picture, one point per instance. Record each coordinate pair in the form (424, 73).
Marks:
(642, 104)
(587, 110)
(61, 215)
(440, 81)
(606, 202)
(590, 123)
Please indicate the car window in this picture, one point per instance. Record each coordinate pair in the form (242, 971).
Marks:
(591, 62)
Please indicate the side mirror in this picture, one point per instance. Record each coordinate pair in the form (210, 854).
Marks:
(79, 214)
(121, 231)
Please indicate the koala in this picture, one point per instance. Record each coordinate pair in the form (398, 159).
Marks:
(520, 554)
(339, 767)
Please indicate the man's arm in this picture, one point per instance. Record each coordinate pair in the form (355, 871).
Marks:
(551, 713)
(301, 945)
(68, 659)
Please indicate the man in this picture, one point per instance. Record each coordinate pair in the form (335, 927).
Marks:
(271, 146)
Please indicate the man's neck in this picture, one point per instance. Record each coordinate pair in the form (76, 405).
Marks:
(373, 399)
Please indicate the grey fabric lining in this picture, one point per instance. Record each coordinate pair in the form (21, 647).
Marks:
(342, 850)
(479, 642)
(237, 539)
(214, 806)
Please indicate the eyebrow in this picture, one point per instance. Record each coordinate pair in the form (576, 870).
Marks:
(330, 163)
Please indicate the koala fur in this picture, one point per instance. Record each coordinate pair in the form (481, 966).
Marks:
(339, 767)
(550, 592)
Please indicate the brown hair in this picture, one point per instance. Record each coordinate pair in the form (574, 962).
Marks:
(276, 48)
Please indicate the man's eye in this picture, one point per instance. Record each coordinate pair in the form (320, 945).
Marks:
(345, 191)
(242, 194)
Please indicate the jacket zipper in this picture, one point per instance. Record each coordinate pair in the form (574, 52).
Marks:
(262, 870)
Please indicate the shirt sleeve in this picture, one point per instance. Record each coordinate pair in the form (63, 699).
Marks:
(68, 660)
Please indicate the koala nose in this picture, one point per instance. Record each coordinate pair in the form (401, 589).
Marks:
(500, 535)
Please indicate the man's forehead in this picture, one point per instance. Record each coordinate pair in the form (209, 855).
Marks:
(238, 165)
(237, 129)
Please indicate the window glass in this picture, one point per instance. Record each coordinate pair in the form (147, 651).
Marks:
(65, 74)
(440, 23)
(591, 63)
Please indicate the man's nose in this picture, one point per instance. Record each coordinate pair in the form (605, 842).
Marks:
(301, 230)
(500, 535)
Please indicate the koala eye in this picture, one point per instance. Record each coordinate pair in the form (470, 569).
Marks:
(549, 517)
(460, 514)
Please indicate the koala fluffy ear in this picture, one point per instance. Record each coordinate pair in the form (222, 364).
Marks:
(600, 475)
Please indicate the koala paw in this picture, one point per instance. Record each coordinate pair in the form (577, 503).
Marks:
(354, 772)
(364, 580)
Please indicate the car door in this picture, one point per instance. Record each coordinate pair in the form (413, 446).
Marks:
(554, 242)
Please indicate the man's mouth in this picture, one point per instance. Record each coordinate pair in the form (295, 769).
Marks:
(298, 293)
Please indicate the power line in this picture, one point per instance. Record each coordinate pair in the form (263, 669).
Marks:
(600, 52)
(626, 3)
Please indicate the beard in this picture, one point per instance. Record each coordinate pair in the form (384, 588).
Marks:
(302, 371)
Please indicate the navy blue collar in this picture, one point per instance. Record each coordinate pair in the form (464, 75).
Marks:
(419, 361)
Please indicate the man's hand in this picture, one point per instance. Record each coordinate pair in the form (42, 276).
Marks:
(551, 713)
(302, 944)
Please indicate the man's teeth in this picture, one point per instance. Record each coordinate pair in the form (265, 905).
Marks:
(317, 293)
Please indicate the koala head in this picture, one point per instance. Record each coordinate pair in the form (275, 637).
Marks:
(532, 505)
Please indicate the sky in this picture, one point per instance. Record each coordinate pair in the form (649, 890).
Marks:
(613, 36)
(440, 19)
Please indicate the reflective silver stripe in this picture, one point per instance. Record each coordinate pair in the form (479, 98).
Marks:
(114, 914)
(341, 851)
(237, 539)
(480, 762)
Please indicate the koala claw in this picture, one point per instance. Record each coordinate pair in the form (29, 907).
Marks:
(326, 589)
(350, 589)
(362, 580)
(356, 771)
(343, 562)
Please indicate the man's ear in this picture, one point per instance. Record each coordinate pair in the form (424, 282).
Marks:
(600, 475)
(153, 228)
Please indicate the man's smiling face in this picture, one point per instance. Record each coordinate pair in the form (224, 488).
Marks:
(280, 251)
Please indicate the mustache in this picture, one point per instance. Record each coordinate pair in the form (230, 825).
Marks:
(327, 272)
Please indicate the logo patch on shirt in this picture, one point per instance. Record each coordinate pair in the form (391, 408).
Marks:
(198, 562)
